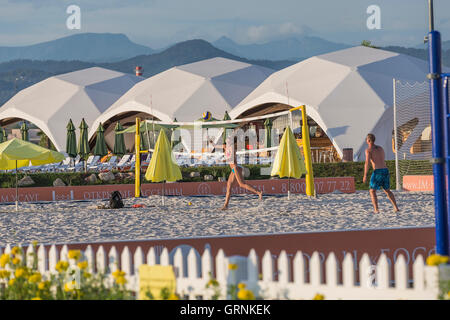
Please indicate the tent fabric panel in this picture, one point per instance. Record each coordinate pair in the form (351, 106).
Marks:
(118, 85)
(214, 67)
(232, 93)
(89, 76)
(357, 56)
(205, 98)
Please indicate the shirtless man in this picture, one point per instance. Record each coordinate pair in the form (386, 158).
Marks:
(380, 176)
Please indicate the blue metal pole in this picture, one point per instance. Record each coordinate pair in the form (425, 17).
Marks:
(447, 148)
(437, 116)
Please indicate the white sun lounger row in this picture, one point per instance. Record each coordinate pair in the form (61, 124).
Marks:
(128, 162)
(77, 165)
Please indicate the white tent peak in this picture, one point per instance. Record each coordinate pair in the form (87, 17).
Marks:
(185, 92)
(213, 67)
(91, 76)
(348, 93)
(357, 56)
(50, 103)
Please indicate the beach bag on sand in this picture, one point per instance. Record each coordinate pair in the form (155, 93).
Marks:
(115, 200)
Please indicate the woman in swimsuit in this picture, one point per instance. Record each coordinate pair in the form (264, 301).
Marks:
(236, 173)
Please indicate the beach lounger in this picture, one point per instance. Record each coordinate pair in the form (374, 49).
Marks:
(79, 166)
(131, 163)
(106, 165)
(122, 163)
(73, 163)
(94, 161)
(62, 165)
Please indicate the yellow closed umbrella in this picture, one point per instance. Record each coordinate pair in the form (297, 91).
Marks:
(162, 166)
(288, 160)
(18, 153)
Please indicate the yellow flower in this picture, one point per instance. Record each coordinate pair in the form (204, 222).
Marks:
(35, 278)
(173, 296)
(4, 259)
(319, 297)
(15, 250)
(16, 261)
(118, 273)
(19, 272)
(436, 259)
(232, 266)
(245, 294)
(83, 265)
(42, 285)
(11, 281)
(62, 266)
(87, 275)
(241, 285)
(213, 282)
(36, 298)
(74, 254)
(121, 280)
(4, 274)
(69, 286)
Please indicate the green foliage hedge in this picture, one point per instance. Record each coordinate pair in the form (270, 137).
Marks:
(340, 169)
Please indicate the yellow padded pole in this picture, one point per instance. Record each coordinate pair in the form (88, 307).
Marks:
(137, 167)
(307, 153)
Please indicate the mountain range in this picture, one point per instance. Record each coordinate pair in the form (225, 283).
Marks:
(292, 48)
(90, 47)
(109, 47)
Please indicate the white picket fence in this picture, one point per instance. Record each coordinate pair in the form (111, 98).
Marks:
(280, 278)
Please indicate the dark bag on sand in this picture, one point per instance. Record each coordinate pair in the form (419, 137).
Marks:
(115, 200)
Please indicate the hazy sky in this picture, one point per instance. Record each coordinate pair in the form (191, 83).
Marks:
(158, 23)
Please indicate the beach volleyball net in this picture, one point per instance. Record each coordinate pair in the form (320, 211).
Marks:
(412, 142)
(203, 142)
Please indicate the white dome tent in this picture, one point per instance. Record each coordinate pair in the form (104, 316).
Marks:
(185, 92)
(50, 103)
(348, 93)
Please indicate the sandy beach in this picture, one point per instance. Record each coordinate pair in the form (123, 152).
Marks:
(81, 221)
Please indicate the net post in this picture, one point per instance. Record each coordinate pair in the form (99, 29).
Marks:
(137, 167)
(397, 170)
(434, 50)
(310, 191)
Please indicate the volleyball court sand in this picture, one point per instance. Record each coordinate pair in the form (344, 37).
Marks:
(81, 221)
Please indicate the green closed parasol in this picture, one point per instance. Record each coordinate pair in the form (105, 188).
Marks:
(100, 148)
(268, 133)
(83, 143)
(1, 134)
(173, 138)
(71, 140)
(119, 141)
(226, 117)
